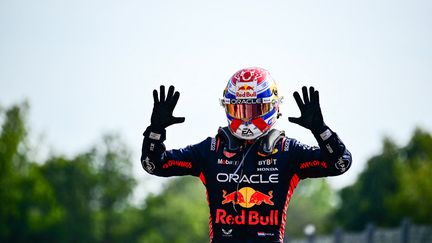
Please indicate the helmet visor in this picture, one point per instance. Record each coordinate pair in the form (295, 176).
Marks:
(247, 111)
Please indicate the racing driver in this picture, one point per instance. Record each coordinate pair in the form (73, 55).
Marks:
(249, 168)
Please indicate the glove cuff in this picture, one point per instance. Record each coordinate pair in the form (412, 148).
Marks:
(323, 133)
(155, 133)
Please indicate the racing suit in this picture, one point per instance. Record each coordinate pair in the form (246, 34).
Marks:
(249, 185)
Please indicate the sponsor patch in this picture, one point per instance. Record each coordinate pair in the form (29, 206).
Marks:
(177, 163)
(326, 134)
(250, 179)
(329, 148)
(267, 162)
(341, 165)
(264, 169)
(247, 197)
(227, 233)
(287, 145)
(213, 144)
(264, 234)
(148, 165)
(227, 162)
(246, 90)
(267, 165)
(244, 217)
(155, 136)
(247, 132)
(315, 163)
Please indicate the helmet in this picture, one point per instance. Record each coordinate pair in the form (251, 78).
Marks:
(251, 103)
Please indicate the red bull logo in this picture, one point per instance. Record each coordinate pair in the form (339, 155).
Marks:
(234, 197)
(246, 90)
(247, 197)
(258, 197)
(247, 218)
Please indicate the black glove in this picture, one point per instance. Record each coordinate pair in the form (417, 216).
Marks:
(162, 116)
(311, 117)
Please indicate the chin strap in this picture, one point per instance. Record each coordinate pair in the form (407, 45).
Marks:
(266, 143)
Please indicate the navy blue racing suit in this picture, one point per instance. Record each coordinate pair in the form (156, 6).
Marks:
(249, 185)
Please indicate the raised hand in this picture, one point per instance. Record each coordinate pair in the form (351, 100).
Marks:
(163, 108)
(311, 117)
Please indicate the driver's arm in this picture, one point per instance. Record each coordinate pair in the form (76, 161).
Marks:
(156, 160)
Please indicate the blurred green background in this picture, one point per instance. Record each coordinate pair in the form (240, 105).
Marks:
(87, 197)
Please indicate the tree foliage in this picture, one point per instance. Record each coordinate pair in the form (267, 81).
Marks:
(312, 203)
(180, 214)
(61, 199)
(414, 174)
(73, 182)
(395, 185)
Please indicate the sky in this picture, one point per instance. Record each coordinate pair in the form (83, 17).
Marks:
(89, 67)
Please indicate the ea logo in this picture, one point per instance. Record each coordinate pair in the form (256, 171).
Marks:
(247, 132)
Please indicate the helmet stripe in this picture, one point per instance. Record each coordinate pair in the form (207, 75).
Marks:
(235, 124)
(260, 124)
(269, 114)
